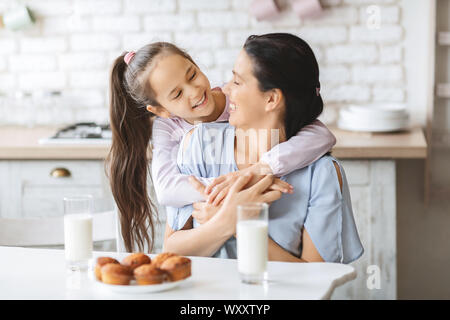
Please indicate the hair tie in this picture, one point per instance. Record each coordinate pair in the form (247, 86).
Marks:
(128, 57)
(317, 91)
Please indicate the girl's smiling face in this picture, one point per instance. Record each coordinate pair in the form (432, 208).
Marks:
(181, 89)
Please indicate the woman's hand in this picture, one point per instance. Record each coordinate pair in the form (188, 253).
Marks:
(220, 186)
(204, 211)
(260, 192)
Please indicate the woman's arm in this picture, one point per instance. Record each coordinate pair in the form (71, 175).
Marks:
(204, 240)
(277, 253)
(308, 145)
(171, 187)
(329, 218)
(309, 251)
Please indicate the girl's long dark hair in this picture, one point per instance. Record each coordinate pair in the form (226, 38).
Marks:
(286, 62)
(127, 164)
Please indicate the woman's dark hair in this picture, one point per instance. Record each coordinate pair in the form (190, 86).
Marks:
(131, 125)
(286, 62)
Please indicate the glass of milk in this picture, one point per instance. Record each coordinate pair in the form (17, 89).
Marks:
(252, 242)
(78, 231)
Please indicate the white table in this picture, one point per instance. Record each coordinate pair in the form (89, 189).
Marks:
(40, 274)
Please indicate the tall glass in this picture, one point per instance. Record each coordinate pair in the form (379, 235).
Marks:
(252, 242)
(78, 231)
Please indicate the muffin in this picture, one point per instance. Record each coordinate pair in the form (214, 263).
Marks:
(115, 273)
(101, 261)
(135, 260)
(177, 267)
(149, 274)
(160, 258)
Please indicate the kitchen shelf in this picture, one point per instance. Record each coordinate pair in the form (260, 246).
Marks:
(443, 90)
(444, 38)
(22, 143)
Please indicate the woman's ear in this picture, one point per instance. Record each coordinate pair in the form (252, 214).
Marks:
(274, 99)
(159, 111)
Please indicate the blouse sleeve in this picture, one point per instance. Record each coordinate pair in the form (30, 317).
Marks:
(171, 187)
(329, 219)
(308, 145)
(176, 218)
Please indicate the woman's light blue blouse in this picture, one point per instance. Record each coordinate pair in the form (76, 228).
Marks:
(317, 204)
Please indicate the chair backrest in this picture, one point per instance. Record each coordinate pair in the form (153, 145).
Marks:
(50, 231)
(159, 229)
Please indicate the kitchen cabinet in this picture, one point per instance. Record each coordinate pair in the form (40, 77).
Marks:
(373, 192)
(33, 189)
(28, 189)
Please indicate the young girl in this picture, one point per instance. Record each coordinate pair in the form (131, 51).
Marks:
(160, 79)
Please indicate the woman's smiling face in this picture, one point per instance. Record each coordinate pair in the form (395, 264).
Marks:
(247, 101)
(181, 88)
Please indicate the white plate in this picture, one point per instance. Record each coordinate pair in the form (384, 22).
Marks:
(374, 127)
(135, 288)
(381, 109)
(347, 113)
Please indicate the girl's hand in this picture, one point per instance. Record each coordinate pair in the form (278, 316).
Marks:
(220, 186)
(260, 192)
(197, 185)
(204, 211)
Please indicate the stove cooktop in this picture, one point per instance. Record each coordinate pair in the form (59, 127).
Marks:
(81, 133)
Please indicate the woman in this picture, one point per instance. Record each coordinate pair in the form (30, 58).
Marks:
(275, 87)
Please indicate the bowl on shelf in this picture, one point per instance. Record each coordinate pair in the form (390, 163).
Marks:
(374, 118)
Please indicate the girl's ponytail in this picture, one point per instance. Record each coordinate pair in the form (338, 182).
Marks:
(128, 161)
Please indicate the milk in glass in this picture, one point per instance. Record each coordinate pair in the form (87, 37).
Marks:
(78, 231)
(252, 239)
(78, 236)
(252, 242)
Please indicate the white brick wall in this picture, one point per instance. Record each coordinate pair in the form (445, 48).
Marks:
(74, 42)
(203, 5)
(43, 44)
(377, 74)
(8, 46)
(32, 62)
(94, 42)
(145, 6)
(97, 7)
(169, 22)
(352, 53)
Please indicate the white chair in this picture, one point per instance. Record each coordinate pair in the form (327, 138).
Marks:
(159, 228)
(50, 231)
(159, 238)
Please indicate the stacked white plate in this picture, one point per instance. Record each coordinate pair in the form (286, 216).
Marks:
(374, 118)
